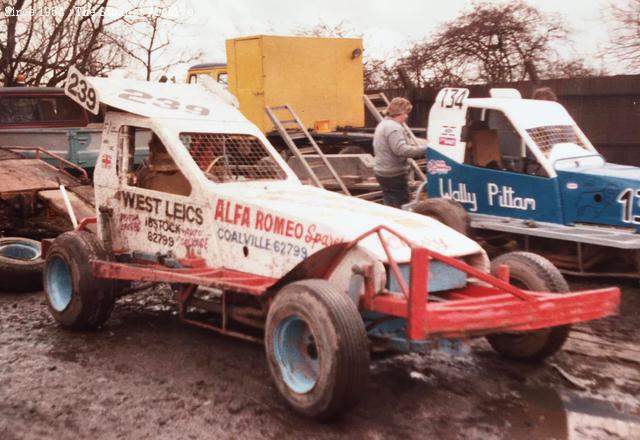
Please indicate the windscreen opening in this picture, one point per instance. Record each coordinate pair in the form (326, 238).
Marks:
(232, 157)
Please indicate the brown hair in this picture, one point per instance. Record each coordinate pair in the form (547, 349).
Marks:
(398, 106)
(544, 93)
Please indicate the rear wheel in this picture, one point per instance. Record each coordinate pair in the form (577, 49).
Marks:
(530, 272)
(20, 265)
(446, 211)
(75, 298)
(317, 349)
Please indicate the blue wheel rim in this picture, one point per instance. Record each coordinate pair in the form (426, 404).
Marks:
(296, 353)
(59, 285)
(20, 251)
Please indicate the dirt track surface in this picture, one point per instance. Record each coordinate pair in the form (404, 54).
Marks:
(146, 375)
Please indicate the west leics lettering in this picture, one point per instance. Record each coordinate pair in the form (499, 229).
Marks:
(170, 209)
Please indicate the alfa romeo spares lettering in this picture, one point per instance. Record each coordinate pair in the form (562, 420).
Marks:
(241, 215)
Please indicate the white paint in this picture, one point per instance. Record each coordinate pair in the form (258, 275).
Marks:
(260, 227)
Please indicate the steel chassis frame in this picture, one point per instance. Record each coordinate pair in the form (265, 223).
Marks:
(486, 305)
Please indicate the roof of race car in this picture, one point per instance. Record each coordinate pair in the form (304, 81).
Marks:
(526, 113)
(165, 100)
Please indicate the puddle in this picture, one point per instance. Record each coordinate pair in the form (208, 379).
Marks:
(543, 412)
(538, 413)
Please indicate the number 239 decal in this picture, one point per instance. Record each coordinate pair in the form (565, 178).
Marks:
(77, 87)
(141, 97)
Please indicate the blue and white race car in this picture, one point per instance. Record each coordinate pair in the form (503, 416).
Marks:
(524, 170)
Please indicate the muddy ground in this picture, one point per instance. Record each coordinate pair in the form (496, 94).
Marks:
(146, 375)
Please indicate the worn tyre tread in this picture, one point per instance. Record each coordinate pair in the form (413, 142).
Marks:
(96, 296)
(357, 352)
(553, 282)
(544, 268)
(352, 359)
(20, 276)
(446, 211)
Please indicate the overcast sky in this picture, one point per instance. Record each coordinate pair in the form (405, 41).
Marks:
(387, 26)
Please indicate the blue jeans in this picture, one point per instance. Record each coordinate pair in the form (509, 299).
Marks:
(395, 190)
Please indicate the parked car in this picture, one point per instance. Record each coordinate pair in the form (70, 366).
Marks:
(44, 117)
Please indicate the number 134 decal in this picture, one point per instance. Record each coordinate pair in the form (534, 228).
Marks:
(453, 97)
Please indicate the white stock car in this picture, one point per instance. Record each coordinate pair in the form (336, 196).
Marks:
(251, 252)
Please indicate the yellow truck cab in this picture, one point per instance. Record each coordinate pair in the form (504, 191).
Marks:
(217, 71)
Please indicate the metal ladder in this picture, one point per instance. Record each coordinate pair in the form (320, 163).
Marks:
(300, 132)
(382, 102)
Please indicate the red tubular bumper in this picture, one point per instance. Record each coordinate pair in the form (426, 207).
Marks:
(494, 311)
(487, 305)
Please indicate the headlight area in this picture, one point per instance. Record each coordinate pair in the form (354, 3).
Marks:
(388, 333)
(441, 277)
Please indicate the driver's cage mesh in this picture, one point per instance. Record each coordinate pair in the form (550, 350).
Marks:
(231, 157)
(549, 135)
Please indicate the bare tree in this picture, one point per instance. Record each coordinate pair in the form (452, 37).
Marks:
(146, 37)
(492, 44)
(380, 74)
(625, 35)
(41, 39)
(340, 30)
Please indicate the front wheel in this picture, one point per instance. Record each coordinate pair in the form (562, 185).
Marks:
(533, 272)
(317, 349)
(76, 299)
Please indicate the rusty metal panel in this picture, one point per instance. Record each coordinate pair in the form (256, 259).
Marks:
(24, 175)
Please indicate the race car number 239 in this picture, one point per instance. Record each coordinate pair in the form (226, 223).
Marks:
(77, 87)
(141, 97)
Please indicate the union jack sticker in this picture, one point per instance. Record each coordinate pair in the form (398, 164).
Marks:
(438, 167)
(447, 141)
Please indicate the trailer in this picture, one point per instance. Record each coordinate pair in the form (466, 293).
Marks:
(320, 278)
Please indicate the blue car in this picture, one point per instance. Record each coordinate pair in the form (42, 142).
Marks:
(524, 171)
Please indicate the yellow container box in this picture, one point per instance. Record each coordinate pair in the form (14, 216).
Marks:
(320, 78)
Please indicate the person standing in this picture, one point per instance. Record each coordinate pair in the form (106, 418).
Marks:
(544, 94)
(391, 151)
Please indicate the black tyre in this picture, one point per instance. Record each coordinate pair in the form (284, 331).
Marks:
(21, 265)
(531, 272)
(352, 149)
(317, 349)
(76, 299)
(446, 211)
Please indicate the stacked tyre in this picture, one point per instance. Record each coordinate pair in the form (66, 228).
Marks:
(20, 265)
